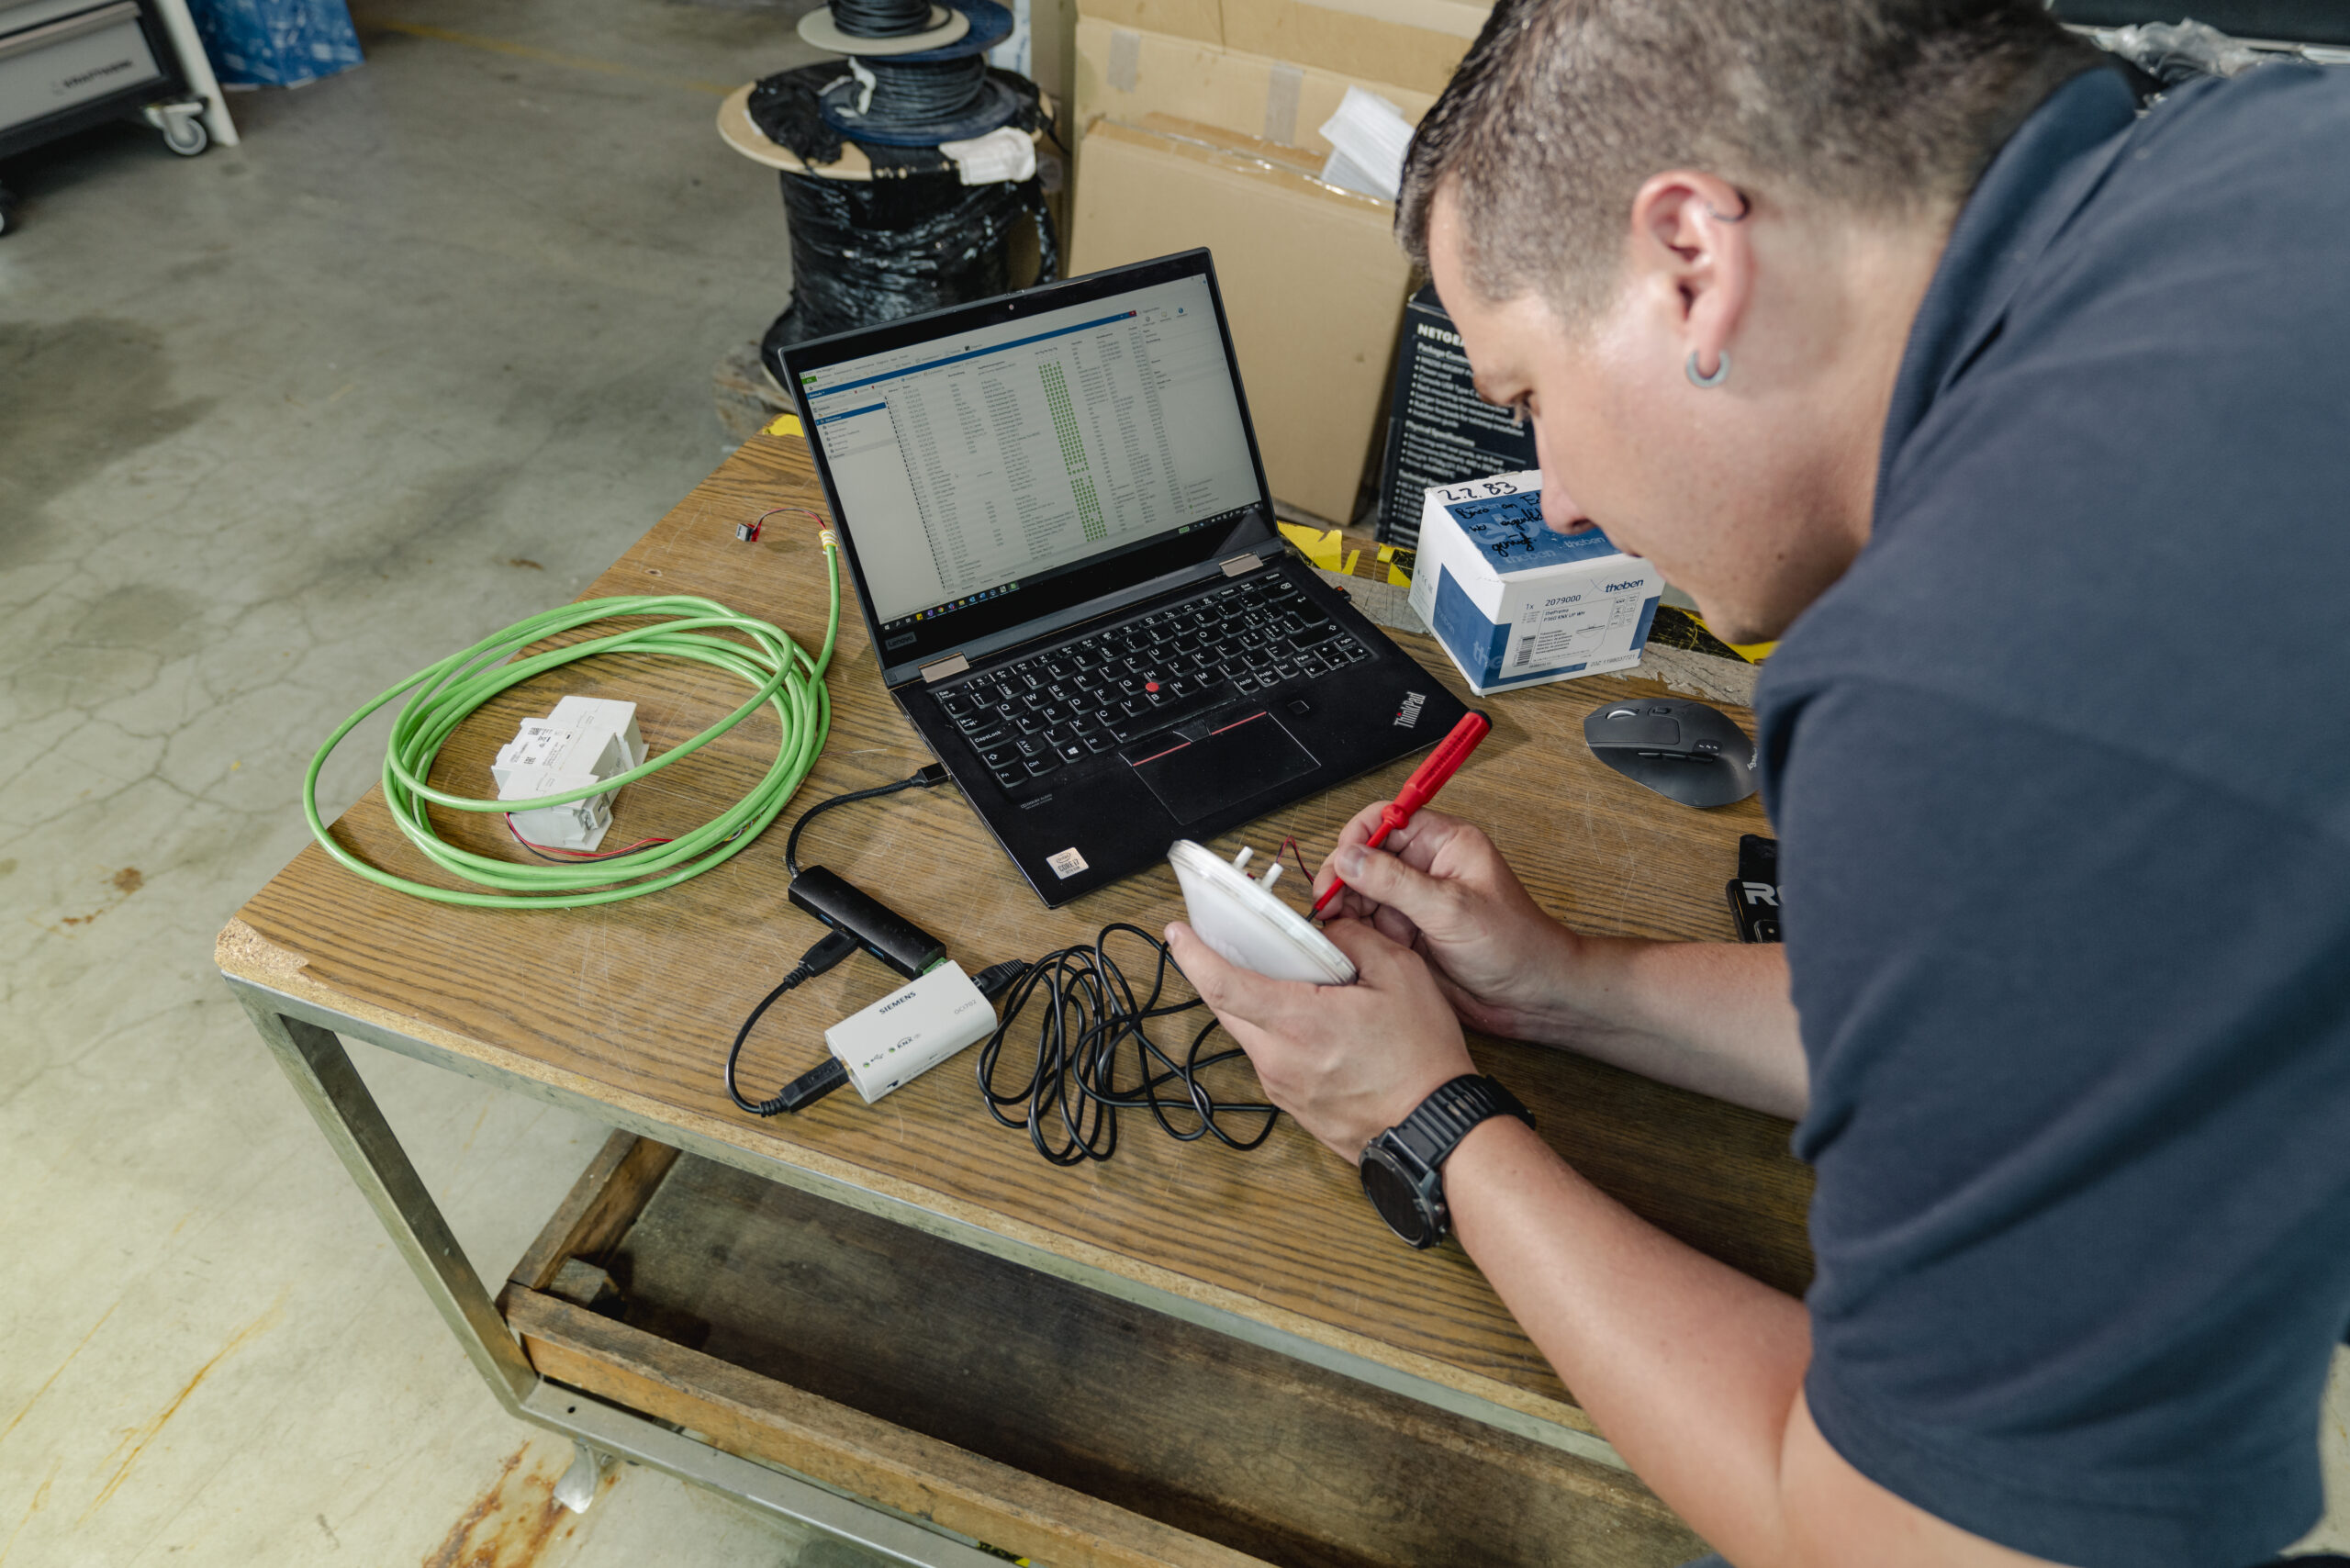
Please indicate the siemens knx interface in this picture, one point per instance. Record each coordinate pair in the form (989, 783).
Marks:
(967, 466)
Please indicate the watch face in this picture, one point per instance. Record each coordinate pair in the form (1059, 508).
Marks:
(1396, 1196)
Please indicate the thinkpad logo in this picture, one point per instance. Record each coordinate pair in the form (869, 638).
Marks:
(1408, 716)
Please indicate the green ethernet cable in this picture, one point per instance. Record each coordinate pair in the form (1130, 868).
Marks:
(780, 673)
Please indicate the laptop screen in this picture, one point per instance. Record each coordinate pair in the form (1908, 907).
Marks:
(996, 461)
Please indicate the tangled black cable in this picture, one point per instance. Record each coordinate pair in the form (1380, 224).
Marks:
(881, 18)
(922, 92)
(1090, 1013)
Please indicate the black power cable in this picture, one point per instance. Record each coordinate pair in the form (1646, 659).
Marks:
(1090, 1013)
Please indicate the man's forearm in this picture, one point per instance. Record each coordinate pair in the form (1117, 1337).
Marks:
(1712, 1017)
(1689, 1367)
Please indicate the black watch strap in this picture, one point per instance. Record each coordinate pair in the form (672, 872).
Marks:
(1433, 1131)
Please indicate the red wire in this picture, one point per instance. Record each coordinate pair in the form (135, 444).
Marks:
(580, 856)
(1297, 854)
(818, 517)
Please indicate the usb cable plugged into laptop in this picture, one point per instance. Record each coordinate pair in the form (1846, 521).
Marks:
(878, 929)
(921, 778)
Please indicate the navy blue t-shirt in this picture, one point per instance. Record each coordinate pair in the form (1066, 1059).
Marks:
(2061, 769)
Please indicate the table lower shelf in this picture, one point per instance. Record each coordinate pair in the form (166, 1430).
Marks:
(1021, 1410)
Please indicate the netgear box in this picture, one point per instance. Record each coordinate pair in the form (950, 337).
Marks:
(1515, 604)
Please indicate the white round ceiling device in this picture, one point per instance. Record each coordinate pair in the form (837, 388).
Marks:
(1246, 925)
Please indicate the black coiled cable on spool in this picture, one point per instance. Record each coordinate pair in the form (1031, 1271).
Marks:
(922, 92)
(913, 237)
(881, 18)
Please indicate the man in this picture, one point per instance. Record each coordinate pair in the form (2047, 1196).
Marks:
(1890, 325)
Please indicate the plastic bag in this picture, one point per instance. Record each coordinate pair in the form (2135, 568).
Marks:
(2172, 53)
(277, 43)
(868, 250)
(785, 108)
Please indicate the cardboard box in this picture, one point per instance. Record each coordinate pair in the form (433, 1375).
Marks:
(1310, 277)
(1439, 431)
(1199, 19)
(1518, 605)
(1412, 43)
(1125, 73)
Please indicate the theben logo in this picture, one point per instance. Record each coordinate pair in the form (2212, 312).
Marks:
(1620, 588)
(1408, 717)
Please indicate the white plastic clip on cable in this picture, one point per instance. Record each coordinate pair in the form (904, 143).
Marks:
(1241, 919)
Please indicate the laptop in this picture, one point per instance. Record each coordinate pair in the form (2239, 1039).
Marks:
(1056, 518)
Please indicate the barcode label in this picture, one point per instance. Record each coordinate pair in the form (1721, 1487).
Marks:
(1526, 652)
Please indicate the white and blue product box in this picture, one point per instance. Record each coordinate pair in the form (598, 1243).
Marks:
(1515, 604)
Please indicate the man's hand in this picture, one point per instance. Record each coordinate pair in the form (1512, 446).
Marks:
(1348, 1061)
(1440, 887)
(1711, 1016)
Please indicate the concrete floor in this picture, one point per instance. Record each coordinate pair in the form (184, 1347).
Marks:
(277, 427)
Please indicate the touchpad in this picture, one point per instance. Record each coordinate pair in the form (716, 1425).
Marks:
(1239, 758)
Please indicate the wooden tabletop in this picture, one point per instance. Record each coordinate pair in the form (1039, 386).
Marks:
(632, 1005)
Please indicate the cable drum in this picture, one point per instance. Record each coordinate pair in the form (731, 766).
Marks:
(870, 251)
(911, 237)
(918, 101)
(917, 92)
(881, 18)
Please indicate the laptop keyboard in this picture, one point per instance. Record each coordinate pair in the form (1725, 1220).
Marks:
(1029, 720)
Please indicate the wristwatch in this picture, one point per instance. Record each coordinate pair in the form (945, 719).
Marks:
(1403, 1167)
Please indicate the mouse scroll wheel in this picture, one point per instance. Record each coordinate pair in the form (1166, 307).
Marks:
(1624, 713)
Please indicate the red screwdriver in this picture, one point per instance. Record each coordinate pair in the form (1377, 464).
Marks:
(1421, 787)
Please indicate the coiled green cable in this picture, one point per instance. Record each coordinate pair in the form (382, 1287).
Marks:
(781, 672)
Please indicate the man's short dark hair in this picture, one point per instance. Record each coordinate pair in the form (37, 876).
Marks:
(1564, 107)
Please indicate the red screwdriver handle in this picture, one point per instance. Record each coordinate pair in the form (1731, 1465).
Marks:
(1421, 787)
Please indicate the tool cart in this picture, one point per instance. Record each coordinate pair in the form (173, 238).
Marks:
(69, 64)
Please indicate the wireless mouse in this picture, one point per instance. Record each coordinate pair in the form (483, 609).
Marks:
(1682, 750)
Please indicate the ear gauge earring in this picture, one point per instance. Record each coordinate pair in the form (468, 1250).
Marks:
(1720, 374)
